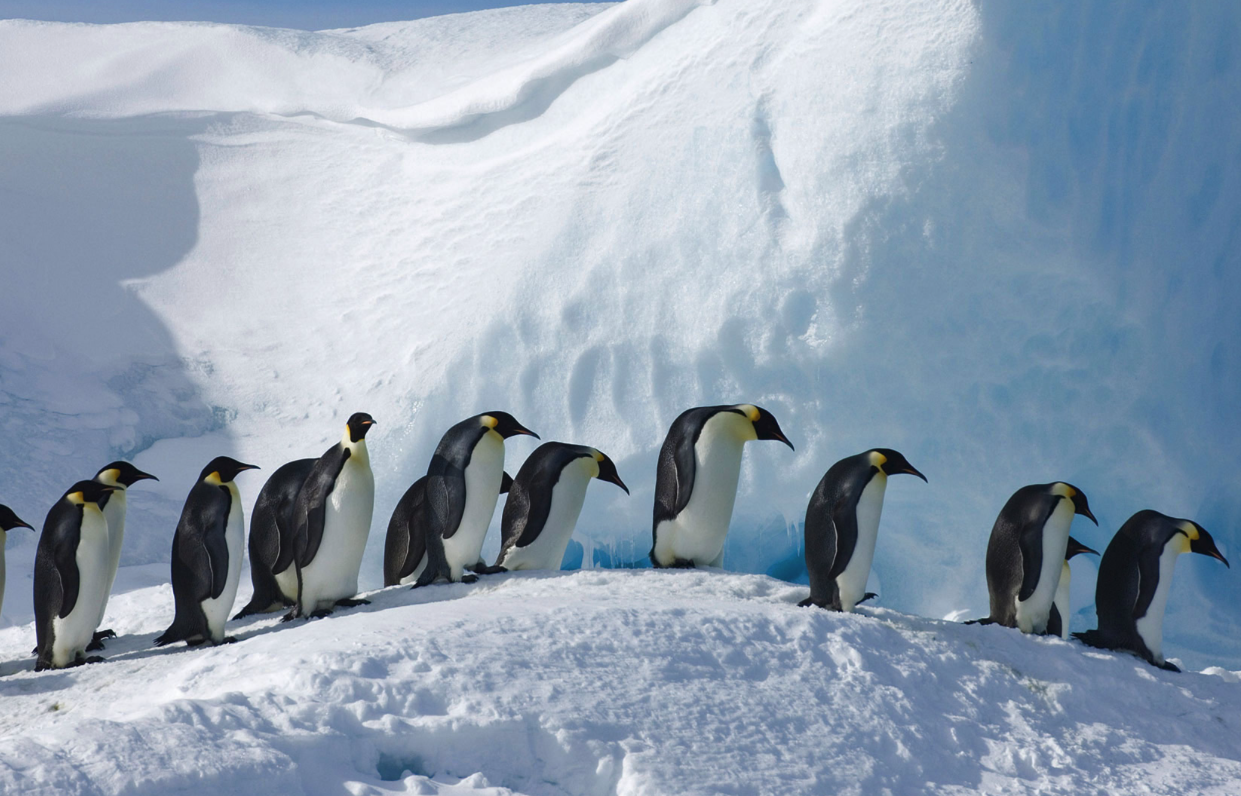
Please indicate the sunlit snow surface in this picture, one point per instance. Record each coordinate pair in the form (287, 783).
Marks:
(1003, 239)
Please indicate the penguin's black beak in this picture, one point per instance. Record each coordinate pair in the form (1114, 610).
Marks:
(23, 524)
(607, 472)
(1205, 545)
(779, 436)
(245, 467)
(520, 429)
(912, 471)
(1077, 548)
(141, 476)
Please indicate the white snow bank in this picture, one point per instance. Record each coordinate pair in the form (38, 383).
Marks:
(608, 683)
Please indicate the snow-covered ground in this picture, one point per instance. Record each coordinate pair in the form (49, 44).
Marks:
(609, 682)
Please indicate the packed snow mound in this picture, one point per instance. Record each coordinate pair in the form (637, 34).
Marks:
(1000, 239)
(609, 682)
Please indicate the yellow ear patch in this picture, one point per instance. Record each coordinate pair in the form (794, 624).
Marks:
(598, 456)
(878, 459)
(214, 479)
(1191, 530)
(751, 412)
(1063, 490)
(112, 475)
(489, 421)
(76, 498)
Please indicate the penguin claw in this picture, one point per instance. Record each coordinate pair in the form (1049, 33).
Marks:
(469, 578)
(870, 595)
(96, 644)
(290, 616)
(95, 659)
(229, 640)
(100, 635)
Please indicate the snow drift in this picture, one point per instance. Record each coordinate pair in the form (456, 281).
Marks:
(999, 238)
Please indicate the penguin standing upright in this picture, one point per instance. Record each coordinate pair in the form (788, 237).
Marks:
(206, 555)
(1135, 577)
(696, 481)
(1025, 555)
(462, 487)
(332, 520)
(1058, 620)
(842, 523)
(8, 522)
(70, 573)
(271, 540)
(121, 476)
(544, 503)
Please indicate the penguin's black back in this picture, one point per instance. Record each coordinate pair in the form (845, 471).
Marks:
(446, 476)
(674, 475)
(272, 533)
(310, 506)
(1015, 549)
(199, 559)
(406, 542)
(56, 577)
(831, 524)
(530, 497)
(1128, 575)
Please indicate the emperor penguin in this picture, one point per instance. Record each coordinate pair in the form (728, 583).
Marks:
(696, 481)
(271, 540)
(8, 522)
(842, 523)
(121, 476)
(1135, 577)
(206, 555)
(1025, 556)
(462, 487)
(332, 520)
(1058, 621)
(70, 573)
(544, 503)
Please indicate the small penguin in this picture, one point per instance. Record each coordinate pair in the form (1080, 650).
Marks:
(70, 573)
(544, 503)
(1135, 577)
(206, 556)
(8, 521)
(696, 481)
(271, 540)
(121, 476)
(332, 520)
(1057, 621)
(462, 487)
(1025, 555)
(842, 523)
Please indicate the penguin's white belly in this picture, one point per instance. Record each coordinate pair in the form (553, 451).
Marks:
(852, 582)
(72, 634)
(547, 549)
(1032, 614)
(287, 581)
(483, 476)
(114, 513)
(697, 534)
(333, 574)
(1062, 600)
(1150, 626)
(217, 609)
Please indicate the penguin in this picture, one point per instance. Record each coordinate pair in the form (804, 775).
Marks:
(696, 481)
(271, 540)
(462, 487)
(1057, 621)
(206, 556)
(842, 523)
(70, 573)
(8, 521)
(405, 546)
(1025, 554)
(544, 503)
(121, 476)
(332, 520)
(1135, 577)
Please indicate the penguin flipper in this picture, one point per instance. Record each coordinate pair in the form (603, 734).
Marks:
(66, 563)
(506, 483)
(446, 501)
(310, 510)
(406, 542)
(1031, 543)
(1148, 579)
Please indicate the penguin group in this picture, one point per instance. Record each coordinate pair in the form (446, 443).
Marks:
(312, 519)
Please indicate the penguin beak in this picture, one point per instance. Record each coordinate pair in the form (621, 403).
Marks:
(1077, 548)
(912, 471)
(520, 429)
(1085, 512)
(614, 478)
(779, 437)
(23, 524)
(141, 476)
(1205, 545)
(245, 467)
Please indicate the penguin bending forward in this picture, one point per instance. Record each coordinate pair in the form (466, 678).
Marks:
(121, 476)
(842, 523)
(1135, 577)
(206, 556)
(1025, 555)
(332, 520)
(696, 481)
(70, 573)
(8, 521)
(545, 501)
(271, 540)
(1058, 620)
(462, 487)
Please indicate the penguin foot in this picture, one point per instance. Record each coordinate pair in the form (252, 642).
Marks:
(1168, 667)
(290, 616)
(100, 635)
(321, 613)
(96, 644)
(469, 579)
(810, 601)
(682, 563)
(229, 640)
(349, 602)
(984, 621)
(870, 595)
(486, 570)
(95, 659)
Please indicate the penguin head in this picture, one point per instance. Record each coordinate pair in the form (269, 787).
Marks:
(1080, 504)
(504, 424)
(892, 462)
(1200, 541)
(765, 425)
(84, 492)
(122, 474)
(1075, 547)
(223, 469)
(359, 423)
(607, 470)
(9, 520)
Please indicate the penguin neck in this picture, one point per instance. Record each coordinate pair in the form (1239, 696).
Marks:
(357, 450)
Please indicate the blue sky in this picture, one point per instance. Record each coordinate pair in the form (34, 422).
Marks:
(305, 14)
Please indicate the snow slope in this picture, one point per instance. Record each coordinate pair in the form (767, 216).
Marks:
(1000, 238)
(610, 682)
